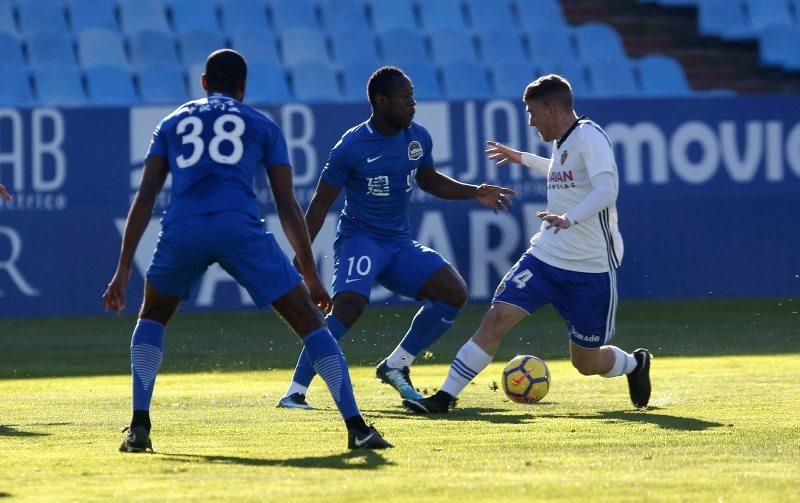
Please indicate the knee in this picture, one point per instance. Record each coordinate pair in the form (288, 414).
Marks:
(155, 312)
(454, 293)
(348, 310)
(585, 364)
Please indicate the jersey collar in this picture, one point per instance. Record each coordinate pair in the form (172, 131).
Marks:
(571, 128)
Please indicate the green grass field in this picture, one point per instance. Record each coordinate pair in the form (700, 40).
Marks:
(724, 423)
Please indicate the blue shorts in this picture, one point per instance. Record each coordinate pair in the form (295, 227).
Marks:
(587, 301)
(402, 266)
(235, 240)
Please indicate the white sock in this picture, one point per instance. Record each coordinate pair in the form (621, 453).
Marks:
(469, 362)
(296, 388)
(624, 363)
(399, 358)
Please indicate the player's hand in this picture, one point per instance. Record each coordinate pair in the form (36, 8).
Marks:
(319, 294)
(495, 197)
(114, 296)
(503, 154)
(4, 193)
(558, 222)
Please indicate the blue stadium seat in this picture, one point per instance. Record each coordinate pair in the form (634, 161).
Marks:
(490, 15)
(293, 14)
(465, 81)
(764, 13)
(723, 18)
(11, 52)
(162, 84)
(196, 45)
(392, 15)
(256, 45)
(315, 83)
(452, 46)
(354, 77)
(613, 79)
(50, 49)
(8, 25)
(15, 86)
(143, 15)
(780, 46)
(266, 83)
(551, 45)
(110, 86)
(86, 14)
(402, 46)
(58, 85)
(497, 46)
(442, 15)
(510, 78)
(354, 46)
(194, 75)
(598, 42)
(301, 45)
(99, 46)
(540, 15)
(574, 72)
(34, 19)
(425, 79)
(152, 48)
(662, 76)
(342, 15)
(193, 15)
(248, 15)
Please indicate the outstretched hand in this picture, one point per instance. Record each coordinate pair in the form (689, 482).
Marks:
(559, 222)
(503, 154)
(495, 197)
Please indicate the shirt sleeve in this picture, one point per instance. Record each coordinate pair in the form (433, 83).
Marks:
(275, 152)
(427, 150)
(337, 169)
(604, 192)
(596, 151)
(158, 143)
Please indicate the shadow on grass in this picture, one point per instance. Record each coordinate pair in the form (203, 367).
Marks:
(645, 416)
(496, 416)
(10, 431)
(5, 494)
(353, 460)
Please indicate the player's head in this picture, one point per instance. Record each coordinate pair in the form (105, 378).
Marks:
(548, 101)
(226, 72)
(391, 96)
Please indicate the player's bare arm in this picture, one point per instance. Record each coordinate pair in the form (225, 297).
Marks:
(505, 155)
(294, 226)
(442, 186)
(322, 201)
(4, 193)
(155, 174)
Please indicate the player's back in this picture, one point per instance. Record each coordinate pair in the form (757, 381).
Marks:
(214, 146)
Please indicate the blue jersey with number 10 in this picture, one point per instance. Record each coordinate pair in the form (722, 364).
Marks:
(214, 146)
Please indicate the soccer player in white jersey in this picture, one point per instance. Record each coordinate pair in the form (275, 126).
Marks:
(572, 259)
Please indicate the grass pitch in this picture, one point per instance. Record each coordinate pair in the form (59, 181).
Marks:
(724, 422)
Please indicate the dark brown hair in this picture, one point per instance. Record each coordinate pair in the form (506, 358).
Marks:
(551, 88)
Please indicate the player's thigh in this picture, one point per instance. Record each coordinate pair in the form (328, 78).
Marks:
(412, 266)
(298, 310)
(525, 286)
(445, 285)
(252, 256)
(588, 303)
(497, 322)
(158, 306)
(357, 261)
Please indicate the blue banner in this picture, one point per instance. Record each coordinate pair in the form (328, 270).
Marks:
(709, 197)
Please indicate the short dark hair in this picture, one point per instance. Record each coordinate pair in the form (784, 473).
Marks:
(550, 88)
(226, 71)
(383, 81)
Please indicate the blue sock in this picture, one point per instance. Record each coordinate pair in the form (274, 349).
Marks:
(328, 361)
(147, 349)
(430, 322)
(304, 372)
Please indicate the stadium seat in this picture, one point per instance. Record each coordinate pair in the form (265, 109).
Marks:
(196, 45)
(574, 72)
(402, 46)
(354, 46)
(354, 77)
(302, 45)
(293, 14)
(662, 76)
(391, 15)
(8, 25)
(194, 76)
(142, 15)
(315, 83)
(490, 15)
(87, 14)
(15, 86)
(464, 81)
(343, 15)
(256, 44)
(763, 13)
(442, 15)
(598, 42)
(99, 46)
(162, 84)
(193, 15)
(723, 18)
(510, 78)
(59, 85)
(152, 48)
(250, 15)
(613, 79)
(780, 46)
(50, 49)
(540, 15)
(11, 52)
(425, 79)
(266, 83)
(553, 45)
(497, 46)
(452, 46)
(110, 86)
(34, 19)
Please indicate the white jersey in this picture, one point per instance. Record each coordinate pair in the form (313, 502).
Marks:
(595, 244)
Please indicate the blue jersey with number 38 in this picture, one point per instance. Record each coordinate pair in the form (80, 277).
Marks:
(214, 146)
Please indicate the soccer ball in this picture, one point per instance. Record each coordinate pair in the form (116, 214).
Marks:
(526, 379)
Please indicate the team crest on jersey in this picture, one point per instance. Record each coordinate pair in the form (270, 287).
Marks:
(500, 288)
(564, 156)
(414, 150)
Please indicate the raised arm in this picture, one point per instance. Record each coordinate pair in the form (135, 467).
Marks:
(439, 185)
(505, 155)
(155, 174)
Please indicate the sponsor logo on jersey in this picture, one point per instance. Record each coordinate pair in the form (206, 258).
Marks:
(500, 288)
(414, 150)
(582, 337)
(564, 156)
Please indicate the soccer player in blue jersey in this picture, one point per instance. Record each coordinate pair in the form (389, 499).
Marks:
(378, 163)
(212, 148)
